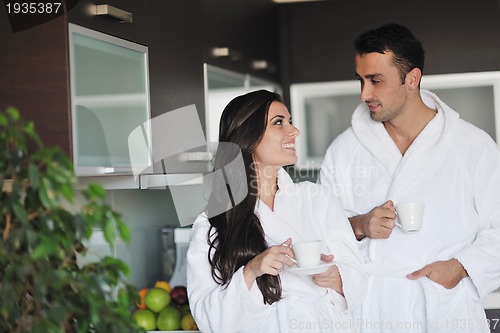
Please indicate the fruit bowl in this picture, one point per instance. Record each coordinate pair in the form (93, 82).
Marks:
(162, 309)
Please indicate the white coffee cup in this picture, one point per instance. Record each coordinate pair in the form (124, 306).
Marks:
(307, 253)
(410, 216)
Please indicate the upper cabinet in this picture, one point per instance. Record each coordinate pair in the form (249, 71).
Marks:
(144, 59)
(323, 110)
(109, 80)
(121, 18)
(243, 36)
(222, 86)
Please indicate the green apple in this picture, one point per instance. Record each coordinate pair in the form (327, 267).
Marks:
(156, 299)
(145, 319)
(169, 319)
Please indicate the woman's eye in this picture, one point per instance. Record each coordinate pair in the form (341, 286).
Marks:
(278, 122)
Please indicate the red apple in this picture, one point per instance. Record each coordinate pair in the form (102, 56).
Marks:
(179, 295)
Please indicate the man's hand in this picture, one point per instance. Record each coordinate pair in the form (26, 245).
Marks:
(377, 223)
(447, 273)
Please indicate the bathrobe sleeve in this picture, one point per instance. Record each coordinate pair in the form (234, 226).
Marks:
(334, 228)
(342, 243)
(481, 258)
(336, 172)
(217, 308)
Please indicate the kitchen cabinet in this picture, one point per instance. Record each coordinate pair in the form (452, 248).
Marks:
(109, 80)
(135, 31)
(35, 70)
(249, 29)
(175, 41)
(323, 110)
(224, 85)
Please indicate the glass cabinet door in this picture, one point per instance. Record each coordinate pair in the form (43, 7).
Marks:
(110, 98)
(324, 110)
(221, 87)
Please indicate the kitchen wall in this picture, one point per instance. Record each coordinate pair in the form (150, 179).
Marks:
(317, 37)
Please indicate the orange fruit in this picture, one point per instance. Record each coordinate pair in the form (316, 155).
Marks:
(139, 301)
(163, 285)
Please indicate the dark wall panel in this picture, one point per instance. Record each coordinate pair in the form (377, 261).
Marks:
(458, 36)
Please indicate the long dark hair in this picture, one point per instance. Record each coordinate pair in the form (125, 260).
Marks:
(236, 235)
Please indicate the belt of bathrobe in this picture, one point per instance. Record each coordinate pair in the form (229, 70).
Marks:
(430, 293)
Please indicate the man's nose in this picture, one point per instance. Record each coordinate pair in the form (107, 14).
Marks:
(366, 93)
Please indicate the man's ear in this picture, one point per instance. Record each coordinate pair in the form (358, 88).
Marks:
(413, 78)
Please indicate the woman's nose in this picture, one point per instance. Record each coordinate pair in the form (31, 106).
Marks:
(294, 131)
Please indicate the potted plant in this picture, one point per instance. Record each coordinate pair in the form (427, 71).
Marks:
(42, 286)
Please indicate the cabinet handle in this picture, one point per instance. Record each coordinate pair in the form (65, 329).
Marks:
(263, 65)
(225, 52)
(118, 13)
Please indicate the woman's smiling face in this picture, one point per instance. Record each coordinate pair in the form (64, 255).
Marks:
(277, 146)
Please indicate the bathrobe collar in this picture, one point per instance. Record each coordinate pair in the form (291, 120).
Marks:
(404, 169)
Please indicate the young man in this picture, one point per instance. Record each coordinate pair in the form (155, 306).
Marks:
(406, 145)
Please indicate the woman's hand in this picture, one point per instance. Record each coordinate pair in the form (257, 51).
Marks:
(331, 278)
(271, 261)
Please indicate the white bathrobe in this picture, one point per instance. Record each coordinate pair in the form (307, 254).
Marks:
(301, 211)
(454, 169)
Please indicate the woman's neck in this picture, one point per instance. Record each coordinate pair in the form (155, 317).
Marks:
(268, 184)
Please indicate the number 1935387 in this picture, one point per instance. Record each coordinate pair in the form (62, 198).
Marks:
(33, 7)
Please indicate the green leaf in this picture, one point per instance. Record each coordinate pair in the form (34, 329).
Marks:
(109, 231)
(13, 113)
(47, 194)
(3, 120)
(34, 176)
(43, 250)
(20, 213)
(95, 190)
(123, 230)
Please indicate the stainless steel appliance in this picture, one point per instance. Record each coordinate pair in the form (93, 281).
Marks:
(174, 243)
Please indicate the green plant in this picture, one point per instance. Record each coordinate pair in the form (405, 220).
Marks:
(42, 287)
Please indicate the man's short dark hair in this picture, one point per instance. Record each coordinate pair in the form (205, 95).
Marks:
(408, 51)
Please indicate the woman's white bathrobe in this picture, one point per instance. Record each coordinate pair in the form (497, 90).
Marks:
(301, 211)
(452, 167)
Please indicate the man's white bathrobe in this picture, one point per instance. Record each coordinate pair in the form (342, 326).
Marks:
(454, 169)
(302, 211)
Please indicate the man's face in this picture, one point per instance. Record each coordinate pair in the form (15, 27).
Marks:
(381, 87)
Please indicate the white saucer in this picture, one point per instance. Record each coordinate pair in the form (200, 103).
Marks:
(311, 269)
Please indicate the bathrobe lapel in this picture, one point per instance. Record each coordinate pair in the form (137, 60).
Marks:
(274, 222)
(405, 170)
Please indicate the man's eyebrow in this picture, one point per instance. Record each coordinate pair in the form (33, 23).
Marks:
(369, 76)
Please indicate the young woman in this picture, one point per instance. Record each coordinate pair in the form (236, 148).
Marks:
(240, 274)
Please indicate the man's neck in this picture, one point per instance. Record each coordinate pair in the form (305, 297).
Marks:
(404, 129)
